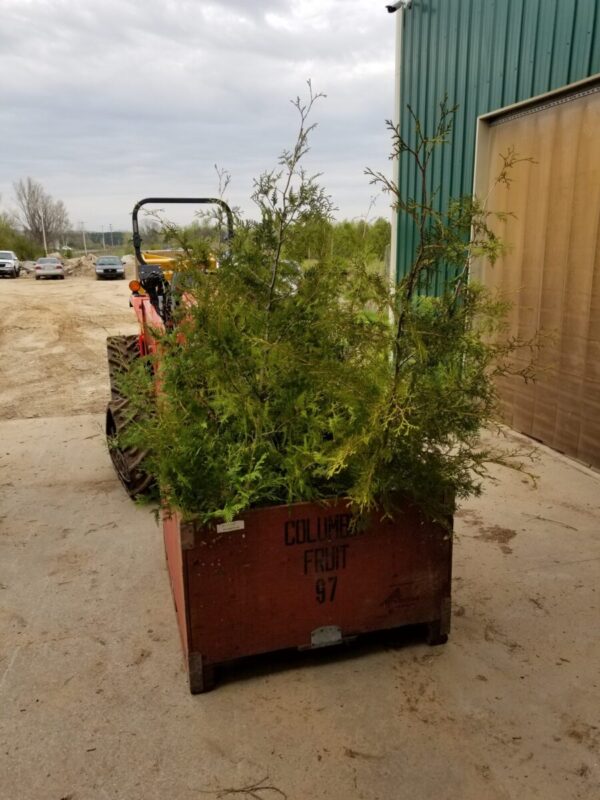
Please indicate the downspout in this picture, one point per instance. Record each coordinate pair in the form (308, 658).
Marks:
(399, 8)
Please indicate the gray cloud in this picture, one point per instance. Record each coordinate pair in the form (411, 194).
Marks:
(107, 102)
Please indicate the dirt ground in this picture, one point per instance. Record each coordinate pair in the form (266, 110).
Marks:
(93, 697)
(52, 343)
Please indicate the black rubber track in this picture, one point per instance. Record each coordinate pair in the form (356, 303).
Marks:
(122, 352)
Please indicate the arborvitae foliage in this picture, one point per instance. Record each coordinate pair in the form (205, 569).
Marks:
(279, 385)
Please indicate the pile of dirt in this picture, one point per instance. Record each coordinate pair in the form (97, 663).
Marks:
(83, 265)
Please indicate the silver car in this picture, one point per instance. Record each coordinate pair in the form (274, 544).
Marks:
(9, 264)
(109, 267)
(49, 267)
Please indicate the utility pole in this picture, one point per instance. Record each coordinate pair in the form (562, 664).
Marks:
(44, 231)
(83, 237)
(111, 236)
(103, 242)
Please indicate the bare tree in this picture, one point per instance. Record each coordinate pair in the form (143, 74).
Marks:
(40, 214)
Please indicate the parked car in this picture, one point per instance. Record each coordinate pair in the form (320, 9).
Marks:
(109, 267)
(49, 267)
(9, 264)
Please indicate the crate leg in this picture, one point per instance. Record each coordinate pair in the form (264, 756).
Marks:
(201, 676)
(435, 634)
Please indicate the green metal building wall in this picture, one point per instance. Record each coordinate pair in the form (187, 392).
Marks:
(485, 55)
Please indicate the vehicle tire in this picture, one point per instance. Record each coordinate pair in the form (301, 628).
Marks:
(38, 277)
(122, 352)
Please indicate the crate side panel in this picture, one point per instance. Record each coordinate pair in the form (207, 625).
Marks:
(294, 570)
(176, 567)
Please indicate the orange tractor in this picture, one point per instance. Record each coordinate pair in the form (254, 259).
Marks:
(152, 299)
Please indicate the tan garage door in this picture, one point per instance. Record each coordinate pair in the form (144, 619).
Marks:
(551, 273)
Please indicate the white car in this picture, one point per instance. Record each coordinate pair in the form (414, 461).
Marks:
(9, 264)
(49, 267)
(109, 267)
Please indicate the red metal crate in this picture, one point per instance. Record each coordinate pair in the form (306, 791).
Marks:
(300, 576)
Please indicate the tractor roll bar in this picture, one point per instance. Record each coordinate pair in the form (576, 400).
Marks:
(137, 239)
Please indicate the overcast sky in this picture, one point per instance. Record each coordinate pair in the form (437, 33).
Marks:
(108, 101)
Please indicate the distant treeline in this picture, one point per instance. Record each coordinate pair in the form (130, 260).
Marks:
(101, 238)
(28, 247)
(11, 238)
(308, 240)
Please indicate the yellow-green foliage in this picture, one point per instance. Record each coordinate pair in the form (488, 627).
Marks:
(279, 384)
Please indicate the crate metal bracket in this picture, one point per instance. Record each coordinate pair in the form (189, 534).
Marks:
(325, 636)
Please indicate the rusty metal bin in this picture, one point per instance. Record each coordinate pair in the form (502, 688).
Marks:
(300, 576)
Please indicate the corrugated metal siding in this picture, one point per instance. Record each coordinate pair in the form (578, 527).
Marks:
(484, 54)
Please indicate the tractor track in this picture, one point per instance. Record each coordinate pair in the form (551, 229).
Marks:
(122, 351)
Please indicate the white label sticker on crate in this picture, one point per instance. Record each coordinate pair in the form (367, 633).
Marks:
(228, 527)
